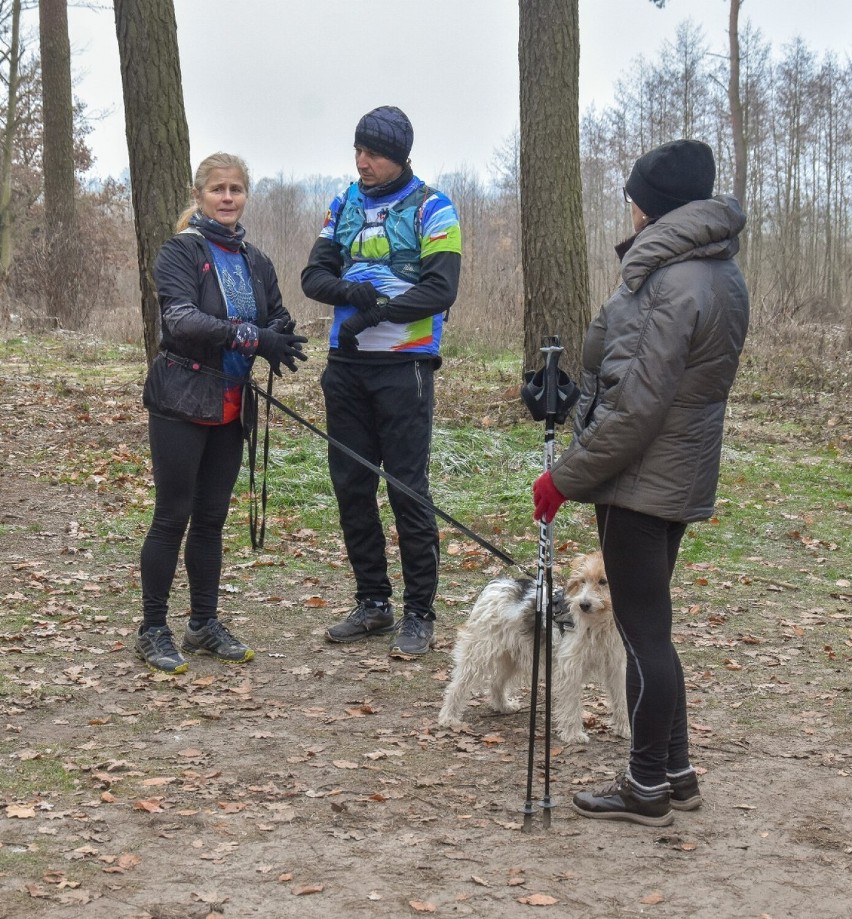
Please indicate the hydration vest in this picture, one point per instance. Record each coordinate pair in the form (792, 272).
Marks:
(401, 225)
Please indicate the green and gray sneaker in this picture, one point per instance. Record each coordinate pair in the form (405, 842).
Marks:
(214, 639)
(157, 648)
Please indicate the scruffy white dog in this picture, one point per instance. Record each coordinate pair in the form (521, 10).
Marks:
(494, 649)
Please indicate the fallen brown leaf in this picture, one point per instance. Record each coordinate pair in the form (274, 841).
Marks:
(538, 899)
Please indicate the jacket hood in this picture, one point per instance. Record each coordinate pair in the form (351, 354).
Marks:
(700, 229)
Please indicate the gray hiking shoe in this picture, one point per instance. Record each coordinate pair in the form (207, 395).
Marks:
(370, 617)
(214, 639)
(685, 794)
(414, 636)
(626, 800)
(157, 648)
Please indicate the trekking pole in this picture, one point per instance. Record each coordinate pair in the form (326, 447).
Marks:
(552, 352)
(544, 596)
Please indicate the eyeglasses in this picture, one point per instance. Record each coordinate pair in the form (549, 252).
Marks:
(627, 197)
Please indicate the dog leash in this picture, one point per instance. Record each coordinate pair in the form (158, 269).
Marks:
(391, 480)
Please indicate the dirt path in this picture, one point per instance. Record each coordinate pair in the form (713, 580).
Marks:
(316, 782)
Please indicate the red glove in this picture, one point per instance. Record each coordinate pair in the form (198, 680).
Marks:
(547, 498)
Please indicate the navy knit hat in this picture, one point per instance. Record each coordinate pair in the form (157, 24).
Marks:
(672, 175)
(387, 131)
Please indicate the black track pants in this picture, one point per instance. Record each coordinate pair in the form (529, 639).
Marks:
(640, 552)
(195, 468)
(384, 413)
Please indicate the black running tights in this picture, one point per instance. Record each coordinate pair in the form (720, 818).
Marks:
(195, 469)
(640, 552)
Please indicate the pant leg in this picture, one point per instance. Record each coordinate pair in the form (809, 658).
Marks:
(176, 451)
(350, 420)
(639, 553)
(214, 486)
(404, 397)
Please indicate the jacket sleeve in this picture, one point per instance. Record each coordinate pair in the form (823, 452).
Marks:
(642, 364)
(321, 276)
(435, 292)
(178, 280)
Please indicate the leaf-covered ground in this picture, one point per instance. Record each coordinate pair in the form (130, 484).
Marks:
(315, 781)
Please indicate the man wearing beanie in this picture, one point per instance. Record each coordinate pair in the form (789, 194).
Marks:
(388, 259)
(658, 363)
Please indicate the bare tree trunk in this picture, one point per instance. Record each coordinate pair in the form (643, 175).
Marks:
(735, 101)
(59, 203)
(556, 279)
(8, 149)
(157, 137)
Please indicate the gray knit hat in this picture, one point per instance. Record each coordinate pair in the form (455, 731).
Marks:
(672, 175)
(387, 131)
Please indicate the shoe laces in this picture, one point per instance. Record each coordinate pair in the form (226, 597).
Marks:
(412, 625)
(220, 631)
(617, 786)
(163, 640)
(362, 610)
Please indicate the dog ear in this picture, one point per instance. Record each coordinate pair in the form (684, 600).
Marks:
(572, 585)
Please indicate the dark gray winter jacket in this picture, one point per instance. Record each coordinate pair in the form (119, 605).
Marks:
(658, 363)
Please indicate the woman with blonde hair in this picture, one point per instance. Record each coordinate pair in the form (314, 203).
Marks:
(220, 307)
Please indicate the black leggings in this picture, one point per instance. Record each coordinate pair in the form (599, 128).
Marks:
(195, 468)
(640, 552)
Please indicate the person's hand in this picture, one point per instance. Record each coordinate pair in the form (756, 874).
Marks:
(244, 338)
(281, 348)
(351, 328)
(362, 295)
(547, 498)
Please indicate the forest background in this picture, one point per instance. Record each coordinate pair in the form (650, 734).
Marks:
(317, 780)
(796, 254)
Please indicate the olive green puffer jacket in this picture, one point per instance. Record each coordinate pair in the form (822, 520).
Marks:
(658, 363)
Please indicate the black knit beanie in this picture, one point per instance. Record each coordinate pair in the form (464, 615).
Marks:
(672, 175)
(387, 131)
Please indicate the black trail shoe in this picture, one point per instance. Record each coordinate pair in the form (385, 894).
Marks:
(414, 636)
(214, 639)
(370, 617)
(625, 800)
(157, 648)
(685, 793)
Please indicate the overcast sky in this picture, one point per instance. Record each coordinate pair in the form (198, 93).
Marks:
(283, 82)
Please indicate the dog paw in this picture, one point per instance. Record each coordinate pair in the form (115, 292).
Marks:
(622, 728)
(507, 706)
(574, 736)
(448, 721)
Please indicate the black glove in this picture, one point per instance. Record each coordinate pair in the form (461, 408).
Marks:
(281, 348)
(244, 338)
(347, 334)
(362, 295)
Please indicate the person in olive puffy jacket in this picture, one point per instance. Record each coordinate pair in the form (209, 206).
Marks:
(658, 363)
(220, 306)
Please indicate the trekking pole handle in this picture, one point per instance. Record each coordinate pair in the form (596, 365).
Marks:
(552, 350)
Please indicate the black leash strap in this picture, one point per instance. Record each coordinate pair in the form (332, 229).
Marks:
(391, 480)
(257, 536)
(257, 505)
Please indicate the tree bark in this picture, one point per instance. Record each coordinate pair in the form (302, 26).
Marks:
(735, 102)
(157, 137)
(7, 154)
(61, 250)
(553, 241)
